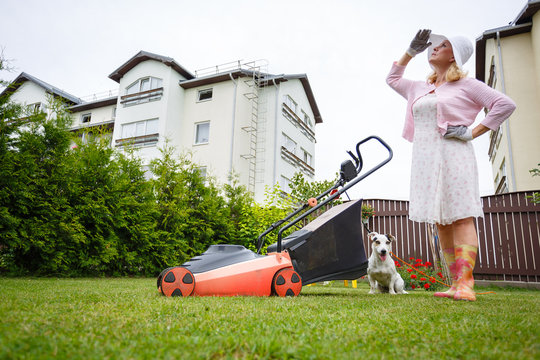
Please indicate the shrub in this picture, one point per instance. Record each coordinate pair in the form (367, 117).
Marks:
(420, 275)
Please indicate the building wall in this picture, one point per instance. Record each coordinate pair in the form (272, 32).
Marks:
(98, 116)
(29, 93)
(229, 114)
(520, 74)
(167, 109)
(219, 113)
(285, 168)
(535, 41)
(173, 105)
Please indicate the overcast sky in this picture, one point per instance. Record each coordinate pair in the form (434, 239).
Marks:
(345, 47)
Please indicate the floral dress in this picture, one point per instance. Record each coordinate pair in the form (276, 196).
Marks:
(444, 174)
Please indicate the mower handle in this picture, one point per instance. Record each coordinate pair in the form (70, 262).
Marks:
(335, 195)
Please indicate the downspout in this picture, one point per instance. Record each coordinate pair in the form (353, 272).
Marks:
(508, 138)
(232, 127)
(276, 118)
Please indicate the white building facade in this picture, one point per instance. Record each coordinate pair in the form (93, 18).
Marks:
(232, 118)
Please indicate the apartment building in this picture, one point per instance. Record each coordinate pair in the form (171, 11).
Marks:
(508, 59)
(234, 117)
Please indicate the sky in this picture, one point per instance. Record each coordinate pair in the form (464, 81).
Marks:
(345, 47)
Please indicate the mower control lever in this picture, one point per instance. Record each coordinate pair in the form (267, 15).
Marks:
(346, 176)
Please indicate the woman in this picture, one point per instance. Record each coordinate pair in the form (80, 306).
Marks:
(444, 176)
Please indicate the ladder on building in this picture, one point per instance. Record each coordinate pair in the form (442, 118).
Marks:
(256, 127)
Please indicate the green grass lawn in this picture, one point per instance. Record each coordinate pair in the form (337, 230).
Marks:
(127, 318)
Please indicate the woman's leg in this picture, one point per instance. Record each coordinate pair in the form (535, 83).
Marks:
(466, 248)
(446, 240)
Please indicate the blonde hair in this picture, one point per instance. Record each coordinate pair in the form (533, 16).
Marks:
(452, 74)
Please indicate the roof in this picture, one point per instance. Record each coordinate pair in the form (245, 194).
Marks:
(307, 88)
(527, 12)
(522, 24)
(94, 104)
(23, 77)
(272, 79)
(141, 56)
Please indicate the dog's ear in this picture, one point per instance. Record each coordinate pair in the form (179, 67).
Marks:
(372, 235)
(391, 237)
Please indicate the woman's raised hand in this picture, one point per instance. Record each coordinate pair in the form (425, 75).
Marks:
(419, 43)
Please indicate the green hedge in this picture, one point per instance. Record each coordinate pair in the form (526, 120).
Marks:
(88, 210)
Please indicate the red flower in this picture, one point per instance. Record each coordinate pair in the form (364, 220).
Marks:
(423, 279)
(440, 274)
(428, 263)
(413, 276)
(411, 258)
(432, 281)
(397, 264)
(426, 286)
(413, 286)
(418, 260)
(409, 270)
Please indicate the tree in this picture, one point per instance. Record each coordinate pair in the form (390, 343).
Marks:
(535, 197)
(302, 189)
(192, 213)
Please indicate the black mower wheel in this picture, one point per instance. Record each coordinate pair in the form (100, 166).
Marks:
(177, 281)
(161, 277)
(286, 282)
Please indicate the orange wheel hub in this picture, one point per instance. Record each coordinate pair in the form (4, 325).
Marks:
(287, 282)
(177, 281)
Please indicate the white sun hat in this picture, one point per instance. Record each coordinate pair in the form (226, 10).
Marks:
(461, 47)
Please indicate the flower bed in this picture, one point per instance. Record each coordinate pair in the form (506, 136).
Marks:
(420, 275)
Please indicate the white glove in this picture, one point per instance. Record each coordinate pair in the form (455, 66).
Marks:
(419, 43)
(459, 132)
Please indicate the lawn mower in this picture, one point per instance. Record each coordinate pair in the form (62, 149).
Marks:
(330, 247)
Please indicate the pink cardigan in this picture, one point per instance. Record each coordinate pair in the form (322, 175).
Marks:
(458, 102)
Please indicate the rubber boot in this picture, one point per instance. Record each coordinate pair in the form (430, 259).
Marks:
(449, 256)
(465, 260)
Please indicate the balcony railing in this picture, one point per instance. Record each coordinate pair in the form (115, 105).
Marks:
(296, 161)
(142, 97)
(144, 140)
(295, 119)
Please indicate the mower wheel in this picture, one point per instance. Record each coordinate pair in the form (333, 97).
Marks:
(161, 277)
(286, 282)
(177, 281)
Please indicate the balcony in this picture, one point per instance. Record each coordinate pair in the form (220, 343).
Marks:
(142, 97)
(296, 161)
(145, 140)
(299, 123)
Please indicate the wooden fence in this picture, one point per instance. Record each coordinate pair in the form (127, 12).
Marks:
(509, 236)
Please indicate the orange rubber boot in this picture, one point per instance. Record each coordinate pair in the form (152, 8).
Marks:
(449, 256)
(465, 260)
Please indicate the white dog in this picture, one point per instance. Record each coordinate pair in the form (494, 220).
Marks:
(382, 273)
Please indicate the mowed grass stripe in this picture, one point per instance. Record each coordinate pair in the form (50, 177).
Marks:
(124, 318)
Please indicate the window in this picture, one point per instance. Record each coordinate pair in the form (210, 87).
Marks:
(288, 144)
(114, 113)
(285, 184)
(306, 157)
(307, 119)
(291, 104)
(34, 108)
(492, 80)
(502, 169)
(85, 118)
(142, 91)
(202, 133)
(144, 84)
(202, 171)
(141, 129)
(204, 95)
(86, 137)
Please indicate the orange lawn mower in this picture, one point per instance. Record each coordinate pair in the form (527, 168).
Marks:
(328, 248)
